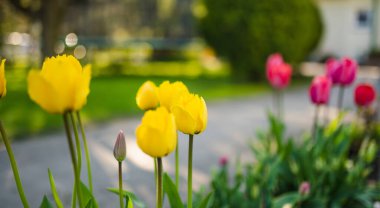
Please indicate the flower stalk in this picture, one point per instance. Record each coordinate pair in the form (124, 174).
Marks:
(190, 174)
(73, 158)
(14, 166)
(87, 152)
(159, 183)
(340, 99)
(177, 166)
(121, 185)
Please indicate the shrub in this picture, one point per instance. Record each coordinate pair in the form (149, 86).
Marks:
(246, 32)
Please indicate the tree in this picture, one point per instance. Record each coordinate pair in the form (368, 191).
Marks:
(245, 32)
(50, 13)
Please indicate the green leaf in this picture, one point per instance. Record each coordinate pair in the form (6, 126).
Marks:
(289, 198)
(205, 202)
(129, 202)
(172, 192)
(57, 200)
(87, 198)
(46, 203)
(131, 195)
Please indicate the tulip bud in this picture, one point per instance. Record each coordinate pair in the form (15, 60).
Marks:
(319, 90)
(304, 188)
(278, 72)
(119, 151)
(147, 96)
(365, 94)
(333, 70)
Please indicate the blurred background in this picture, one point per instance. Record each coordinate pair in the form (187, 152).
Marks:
(218, 48)
(223, 42)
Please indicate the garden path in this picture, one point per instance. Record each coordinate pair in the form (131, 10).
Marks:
(232, 124)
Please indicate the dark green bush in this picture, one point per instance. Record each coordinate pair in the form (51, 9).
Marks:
(245, 32)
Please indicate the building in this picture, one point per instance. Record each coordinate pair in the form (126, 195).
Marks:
(351, 28)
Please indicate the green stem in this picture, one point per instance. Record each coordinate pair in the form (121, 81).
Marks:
(190, 174)
(74, 196)
(87, 152)
(73, 158)
(340, 99)
(177, 166)
(155, 171)
(315, 123)
(77, 143)
(121, 185)
(13, 162)
(159, 183)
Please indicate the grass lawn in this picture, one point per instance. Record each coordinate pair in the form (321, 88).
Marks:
(110, 97)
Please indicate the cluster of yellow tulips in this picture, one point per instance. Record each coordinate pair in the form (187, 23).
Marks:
(62, 87)
(169, 107)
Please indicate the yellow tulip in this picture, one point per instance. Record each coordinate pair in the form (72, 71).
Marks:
(156, 135)
(147, 96)
(62, 85)
(190, 114)
(3, 81)
(169, 93)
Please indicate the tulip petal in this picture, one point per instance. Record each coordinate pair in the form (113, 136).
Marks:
(82, 88)
(43, 93)
(150, 141)
(184, 121)
(3, 81)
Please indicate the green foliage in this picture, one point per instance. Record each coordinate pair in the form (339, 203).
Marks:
(57, 200)
(46, 203)
(336, 178)
(130, 198)
(172, 192)
(246, 32)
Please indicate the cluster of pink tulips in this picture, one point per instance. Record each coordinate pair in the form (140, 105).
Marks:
(340, 73)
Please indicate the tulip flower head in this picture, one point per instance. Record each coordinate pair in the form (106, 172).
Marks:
(349, 69)
(319, 90)
(169, 93)
(365, 94)
(119, 150)
(333, 70)
(3, 81)
(190, 114)
(278, 72)
(62, 85)
(157, 133)
(147, 96)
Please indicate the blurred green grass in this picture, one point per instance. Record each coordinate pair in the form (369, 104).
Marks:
(110, 97)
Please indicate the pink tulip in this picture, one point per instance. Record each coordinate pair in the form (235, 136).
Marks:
(365, 94)
(348, 74)
(333, 70)
(342, 72)
(278, 72)
(223, 161)
(319, 90)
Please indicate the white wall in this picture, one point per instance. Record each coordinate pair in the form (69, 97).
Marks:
(343, 36)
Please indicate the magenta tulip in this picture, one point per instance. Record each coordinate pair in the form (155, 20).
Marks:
(365, 94)
(333, 70)
(319, 90)
(349, 69)
(278, 72)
